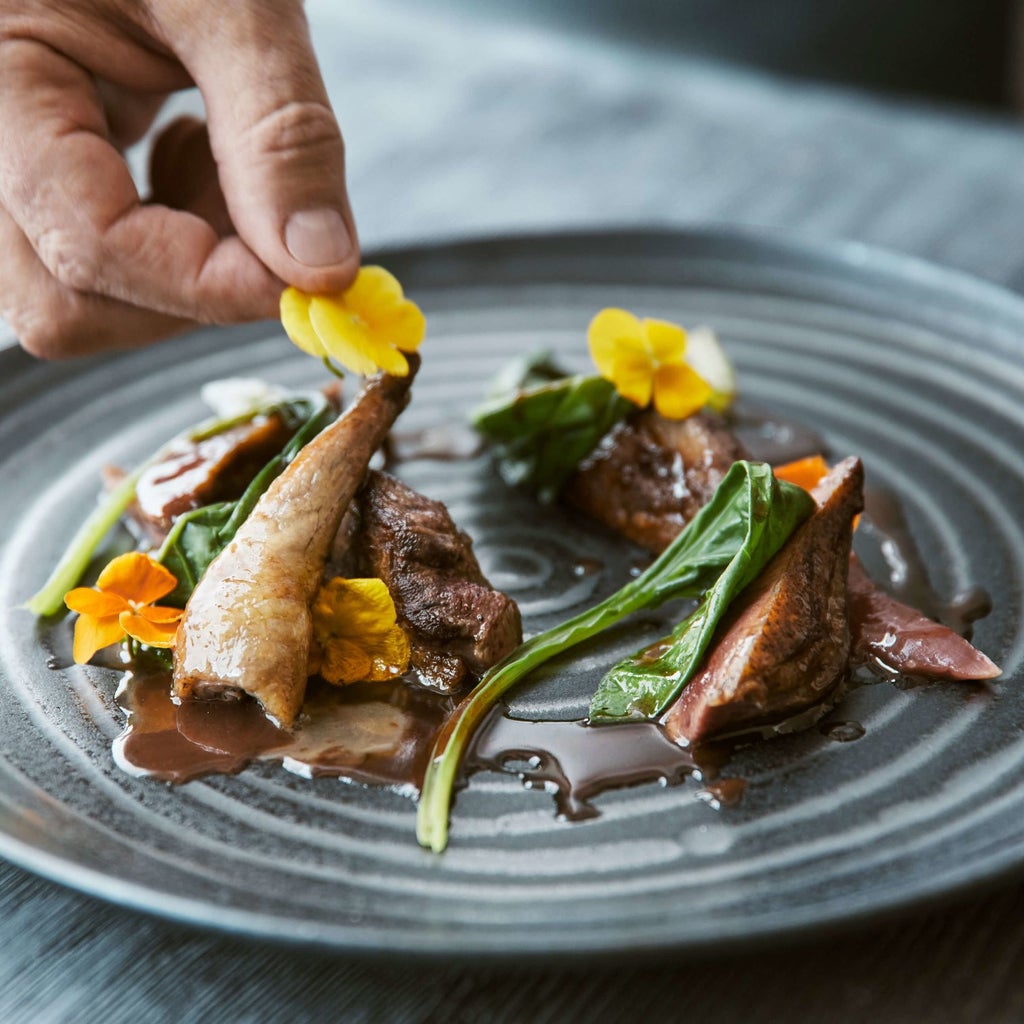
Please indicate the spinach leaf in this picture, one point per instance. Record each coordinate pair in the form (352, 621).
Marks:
(199, 536)
(748, 503)
(540, 435)
(643, 687)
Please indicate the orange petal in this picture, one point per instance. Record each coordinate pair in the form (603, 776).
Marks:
(345, 662)
(94, 602)
(161, 613)
(679, 391)
(152, 634)
(666, 341)
(612, 333)
(93, 634)
(136, 577)
(805, 473)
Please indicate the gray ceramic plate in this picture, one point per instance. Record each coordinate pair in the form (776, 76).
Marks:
(918, 370)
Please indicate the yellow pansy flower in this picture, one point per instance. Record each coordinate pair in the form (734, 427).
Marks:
(122, 605)
(647, 358)
(357, 636)
(366, 328)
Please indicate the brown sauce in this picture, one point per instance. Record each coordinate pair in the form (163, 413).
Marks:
(374, 733)
(767, 437)
(576, 761)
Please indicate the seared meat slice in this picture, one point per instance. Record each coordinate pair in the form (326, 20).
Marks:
(457, 623)
(649, 476)
(247, 625)
(787, 644)
(900, 639)
(194, 473)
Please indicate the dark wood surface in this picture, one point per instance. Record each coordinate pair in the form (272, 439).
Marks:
(456, 128)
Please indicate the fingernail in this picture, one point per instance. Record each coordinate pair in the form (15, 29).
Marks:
(317, 238)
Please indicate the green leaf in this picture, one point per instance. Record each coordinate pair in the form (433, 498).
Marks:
(540, 435)
(643, 686)
(199, 536)
(748, 499)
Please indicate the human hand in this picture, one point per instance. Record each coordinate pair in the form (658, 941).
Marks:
(258, 201)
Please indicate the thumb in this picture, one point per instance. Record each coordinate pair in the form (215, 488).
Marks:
(278, 148)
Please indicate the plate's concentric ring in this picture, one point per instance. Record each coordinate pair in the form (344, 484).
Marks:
(919, 371)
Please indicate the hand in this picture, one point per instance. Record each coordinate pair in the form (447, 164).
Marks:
(256, 202)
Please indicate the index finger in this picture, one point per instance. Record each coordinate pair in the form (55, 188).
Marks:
(71, 193)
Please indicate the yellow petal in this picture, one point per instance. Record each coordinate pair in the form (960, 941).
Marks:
(295, 318)
(95, 603)
(373, 290)
(666, 341)
(342, 334)
(384, 355)
(403, 326)
(633, 377)
(152, 634)
(345, 662)
(679, 391)
(92, 634)
(136, 577)
(610, 333)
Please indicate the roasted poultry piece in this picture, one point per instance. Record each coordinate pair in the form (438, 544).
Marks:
(247, 625)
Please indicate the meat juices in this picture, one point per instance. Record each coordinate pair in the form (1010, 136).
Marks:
(786, 644)
(456, 622)
(650, 476)
(247, 625)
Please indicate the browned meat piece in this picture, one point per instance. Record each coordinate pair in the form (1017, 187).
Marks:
(247, 625)
(900, 639)
(649, 476)
(457, 623)
(787, 644)
(194, 473)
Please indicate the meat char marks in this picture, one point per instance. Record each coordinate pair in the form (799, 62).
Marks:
(786, 645)
(650, 476)
(457, 623)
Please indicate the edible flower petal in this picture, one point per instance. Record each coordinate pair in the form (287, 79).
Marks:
(121, 605)
(356, 630)
(366, 328)
(805, 473)
(646, 359)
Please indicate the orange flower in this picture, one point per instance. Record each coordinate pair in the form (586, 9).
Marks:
(121, 605)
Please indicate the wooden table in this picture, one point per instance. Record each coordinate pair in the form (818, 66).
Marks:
(455, 128)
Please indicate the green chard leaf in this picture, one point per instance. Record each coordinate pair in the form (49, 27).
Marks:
(542, 431)
(643, 686)
(748, 516)
(199, 536)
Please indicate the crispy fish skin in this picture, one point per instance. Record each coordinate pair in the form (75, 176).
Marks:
(788, 643)
(247, 625)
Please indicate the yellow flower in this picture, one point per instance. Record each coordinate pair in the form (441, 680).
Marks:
(366, 328)
(121, 605)
(355, 628)
(644, 358)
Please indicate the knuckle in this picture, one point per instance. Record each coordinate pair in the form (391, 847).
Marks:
(297, 129)
(74, 258)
